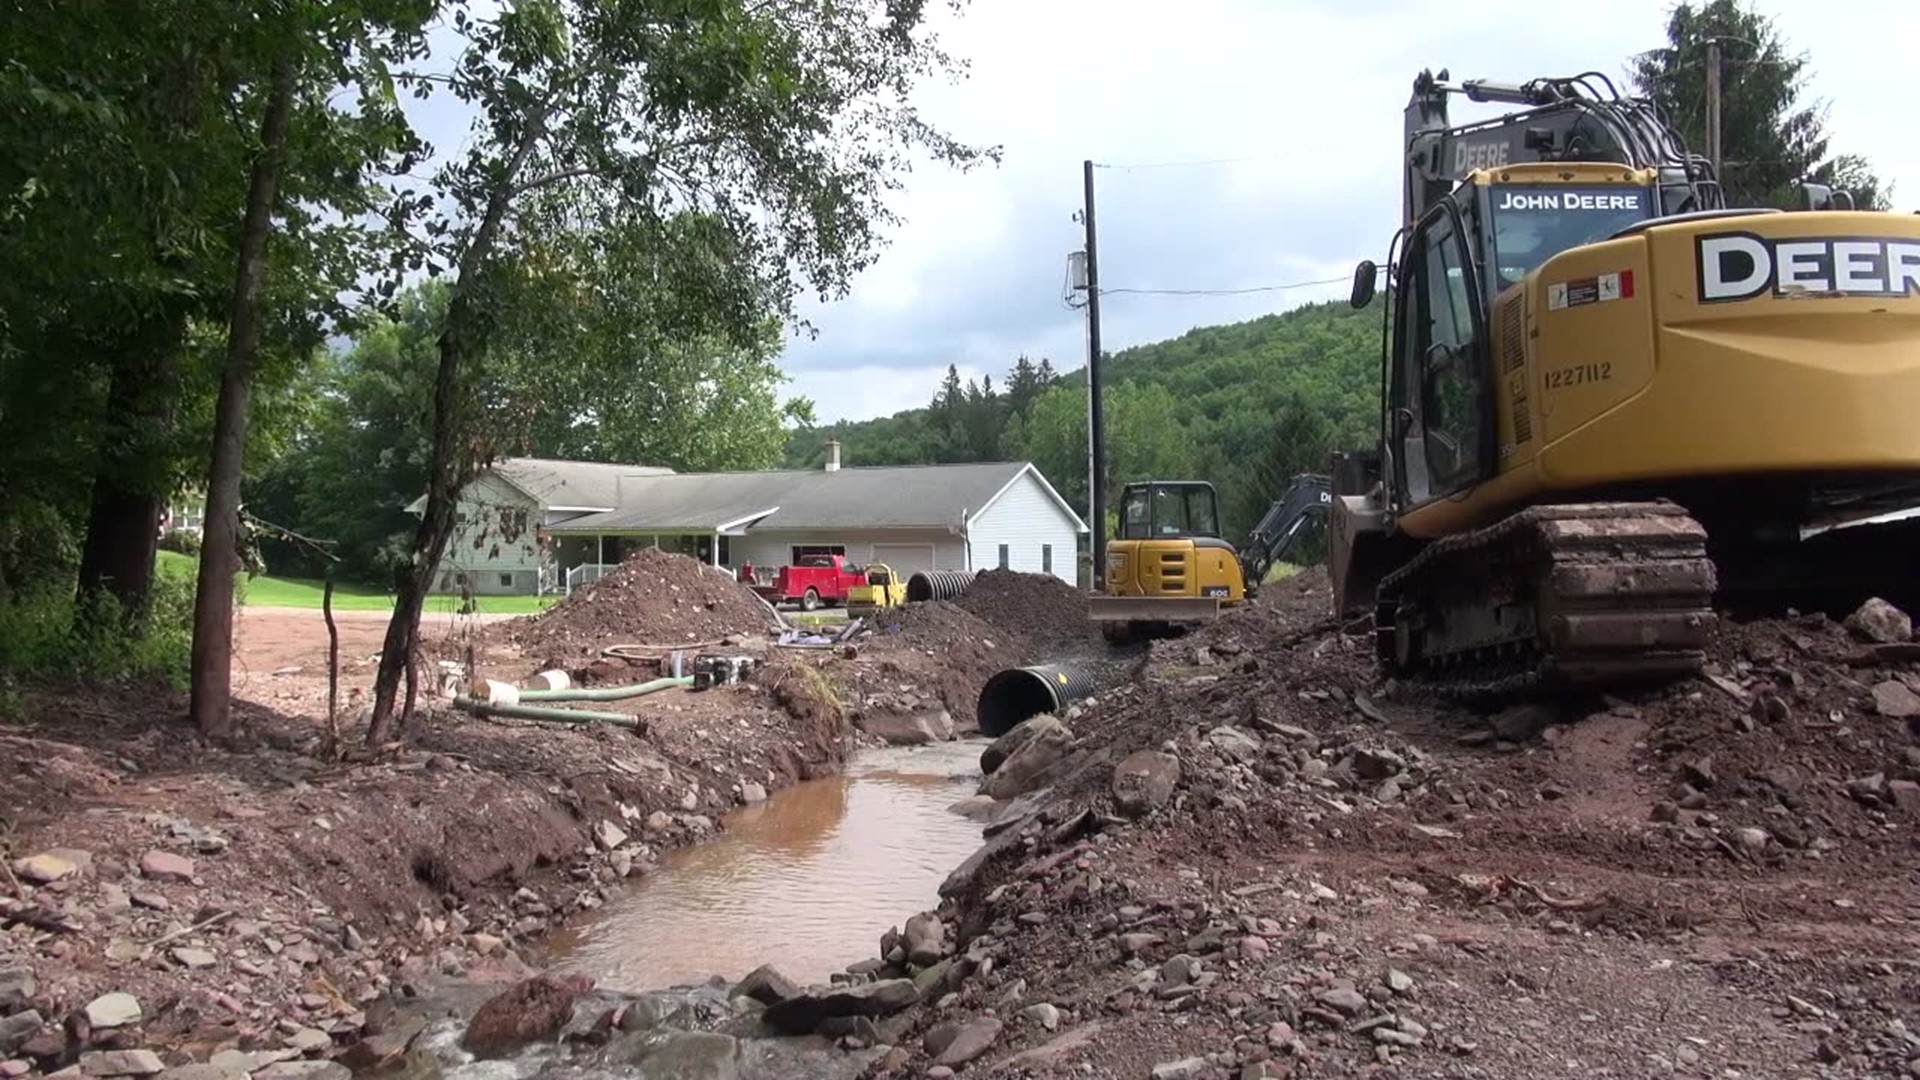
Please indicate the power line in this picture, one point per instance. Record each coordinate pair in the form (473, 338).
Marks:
(1225, 292)
(1197, 163)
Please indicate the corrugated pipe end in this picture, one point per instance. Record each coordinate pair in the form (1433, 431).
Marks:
(1016, 695)
(926, 585)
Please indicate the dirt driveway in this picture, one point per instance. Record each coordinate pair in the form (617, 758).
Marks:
(276, 648)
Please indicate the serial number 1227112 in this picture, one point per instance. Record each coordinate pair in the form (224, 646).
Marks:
(1579, 374)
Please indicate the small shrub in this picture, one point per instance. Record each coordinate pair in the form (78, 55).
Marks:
(180, 540)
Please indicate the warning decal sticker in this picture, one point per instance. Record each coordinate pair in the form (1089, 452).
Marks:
(1594, 290)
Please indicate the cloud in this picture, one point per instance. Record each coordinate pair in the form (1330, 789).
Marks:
(1297, 108)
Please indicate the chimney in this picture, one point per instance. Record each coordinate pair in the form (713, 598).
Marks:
(833, 455)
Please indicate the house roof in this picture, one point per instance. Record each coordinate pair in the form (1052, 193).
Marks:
(574, 485)
(877, 497)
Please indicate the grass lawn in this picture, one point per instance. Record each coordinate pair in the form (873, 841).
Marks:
(266, 591)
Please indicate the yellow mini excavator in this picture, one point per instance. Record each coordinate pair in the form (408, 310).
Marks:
(1168, 567)
(1612, 406)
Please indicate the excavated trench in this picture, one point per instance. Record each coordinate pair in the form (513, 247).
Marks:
(806, 881)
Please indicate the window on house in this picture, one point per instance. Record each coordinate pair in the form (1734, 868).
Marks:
(726, 551)
(506, 581)
(1003, 556)
(1046, 558)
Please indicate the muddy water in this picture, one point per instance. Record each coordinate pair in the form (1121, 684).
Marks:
(807, 881)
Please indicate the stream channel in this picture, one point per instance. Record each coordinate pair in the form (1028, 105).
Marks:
(807, 881)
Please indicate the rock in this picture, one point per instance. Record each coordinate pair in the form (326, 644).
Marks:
(166, 866)
(1023, 771)
(803, 1012)
(973, 1038)
(1344, 999)
(923, 939)
(907, 729)
(121, 1063)
(17, 1029)
(309, 1040)
(976, 807)
(14, 1067)
(1044, 1014)
(607, 835)
(304, 1070)
(44, 868)
(1752, 840)
(1698, 773)
(1180, 970)
(201, 1070)
(535, 1009)
(765, 985)
(1399, 981)
(1519, 723)
(1378, 764)
(1237, 745)
(113, 1010)
(194, 959)
(1138, 942)
(387, 1045)
(1879, 622)
(17, 987)
(1004, 747)
(1184, 1069)
(751, 793)
(1892, 698)
(1144, 781)
(659, 821)
(693, 1055)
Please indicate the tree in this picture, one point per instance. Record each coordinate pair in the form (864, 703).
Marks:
(783, 125)
(1770, 140)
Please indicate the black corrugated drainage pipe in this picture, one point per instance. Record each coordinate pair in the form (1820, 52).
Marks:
(937, 584)
(1019, 694)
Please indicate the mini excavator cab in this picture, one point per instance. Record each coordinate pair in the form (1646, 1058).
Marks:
(1167, 562)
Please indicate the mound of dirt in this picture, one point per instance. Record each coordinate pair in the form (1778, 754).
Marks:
(939, 647)
(654, 598)
(1040, 608)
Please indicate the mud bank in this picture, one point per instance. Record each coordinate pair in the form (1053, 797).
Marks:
(172, 898)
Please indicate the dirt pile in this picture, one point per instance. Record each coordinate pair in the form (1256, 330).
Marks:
(1263, 861)
(933, 655)
(1040, 609)
(654, 598)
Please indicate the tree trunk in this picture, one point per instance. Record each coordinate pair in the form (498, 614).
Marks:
(212, 698)
(129, 486)
(453, 452)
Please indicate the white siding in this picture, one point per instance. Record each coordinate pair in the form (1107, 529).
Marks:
(1028, 521)
(486, 545)
(774, 547)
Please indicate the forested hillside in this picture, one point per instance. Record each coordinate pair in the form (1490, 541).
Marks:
(1244, 405)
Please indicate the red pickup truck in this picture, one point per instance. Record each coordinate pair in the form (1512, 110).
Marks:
(813, 581)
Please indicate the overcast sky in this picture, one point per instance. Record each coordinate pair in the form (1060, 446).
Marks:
(1304, 96)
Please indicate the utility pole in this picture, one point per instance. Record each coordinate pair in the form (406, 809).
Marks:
(1713, 105)
(1096, 416)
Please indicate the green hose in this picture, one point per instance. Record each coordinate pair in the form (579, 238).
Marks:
(605, 693)
(543, 712)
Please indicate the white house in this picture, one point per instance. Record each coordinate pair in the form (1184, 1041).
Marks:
(916, 517)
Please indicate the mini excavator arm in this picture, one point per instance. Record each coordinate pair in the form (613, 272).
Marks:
(1280, 528)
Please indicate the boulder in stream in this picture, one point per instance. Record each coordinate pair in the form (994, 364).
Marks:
(528, 1011)
(1024, 769)
(802, 1013)
(693, 1055)
(766, 985)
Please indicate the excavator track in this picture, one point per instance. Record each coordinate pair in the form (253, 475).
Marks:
(1552, 599)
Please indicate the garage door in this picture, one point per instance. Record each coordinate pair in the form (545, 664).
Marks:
(904, 558)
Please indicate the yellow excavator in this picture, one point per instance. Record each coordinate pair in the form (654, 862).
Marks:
(1613, 406)
(1168, 568)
